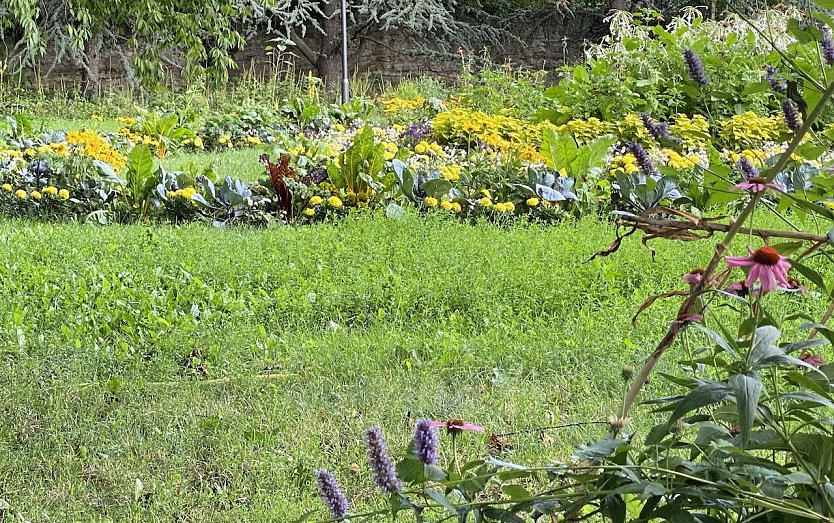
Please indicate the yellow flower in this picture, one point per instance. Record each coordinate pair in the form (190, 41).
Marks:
(334, 202)
(97, 117)
(500, 207)
(431, 201)
(29, 152)
(36, 195)
(339, 127)
(7, 187)
(451, 172)
(485, 202)
(224, 139)
(20, 193)
(456, 207)
(532, 202)
(51, 190)
(254, 140)
(198, 142)
(44, 149)
(485, 193)
(59, 148)
(315, 200)
(446, 206)
(421, 148)
(63, 194)
(309, 212)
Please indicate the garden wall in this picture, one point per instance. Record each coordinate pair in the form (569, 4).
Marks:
(546, 42)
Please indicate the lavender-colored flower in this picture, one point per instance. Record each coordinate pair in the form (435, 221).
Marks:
(696, 67)
(658, 130)
(792, 117)
(643, 159)
(331, 493)
(425, 442)
(776, 80)
(417, 131)
(748, 170)
(828, 47)
(380, 462)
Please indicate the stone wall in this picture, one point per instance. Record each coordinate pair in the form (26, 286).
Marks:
(548, 42)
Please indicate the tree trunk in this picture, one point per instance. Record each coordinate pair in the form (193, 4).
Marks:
(91, 68)
(328, 64)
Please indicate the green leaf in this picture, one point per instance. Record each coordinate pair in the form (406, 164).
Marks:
(411, 470)
(764, 345)
(437, 187)
(747, 389)
(516, 491)
(441, 500)
(559, 150)
(707, 394)
(812, 275)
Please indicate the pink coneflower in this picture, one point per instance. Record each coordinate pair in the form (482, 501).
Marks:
(455, 426)
(758, 184)
(765, 265)
(737, 289)
(814, 360)
(694, 276)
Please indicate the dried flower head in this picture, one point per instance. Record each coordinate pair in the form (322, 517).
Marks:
(627, 373)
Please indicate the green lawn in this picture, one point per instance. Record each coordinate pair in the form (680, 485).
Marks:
(222, 367)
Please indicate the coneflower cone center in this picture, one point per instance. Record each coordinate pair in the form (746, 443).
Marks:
(766, 256)
(757, 179)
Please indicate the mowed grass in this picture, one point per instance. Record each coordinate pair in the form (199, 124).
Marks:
(220, 368)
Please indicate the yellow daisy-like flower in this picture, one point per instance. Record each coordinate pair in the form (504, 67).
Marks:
(36, 195)
(59, 148)
(29, 152)
(431, 201)
(315, 200)
(51, 190)
(334, 201)
(20, 193)
(254, 140)
(455, 207)
(485, 202)
(309, 212)
(198, 142)
(532, 202)
(63, 194)
(7, 187)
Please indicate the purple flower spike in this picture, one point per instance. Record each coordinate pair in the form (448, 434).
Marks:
(748, 170)
(792, 118)
(425, 442)
(828, 47)
(696, 67)
(658, 130)
(776, 80)
(643, 159)
(331, 493)
(380, 462)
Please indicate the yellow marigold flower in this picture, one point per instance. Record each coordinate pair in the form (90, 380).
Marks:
(455, 207)
(485, 193)
(421, 148)
(431, 201)
(334, 202)
(36, 195)
(485, 202)
(315, 200)
(446, 206)
(254, 140)
(63, 194)
(309, 212)
(532, 202)
(51, 190)
(500, 207)
(20, 193)
(198, 142)
(7, 187)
